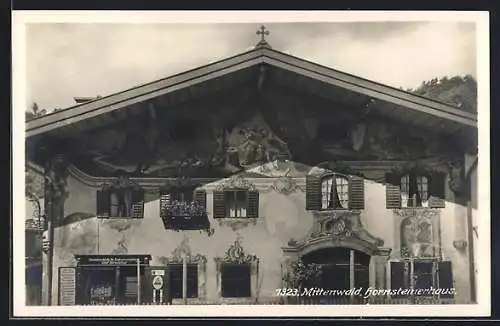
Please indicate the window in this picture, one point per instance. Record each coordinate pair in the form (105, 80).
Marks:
(411, 190)
(422, 278)
(120, 201)
(334, 191)
(236, 280)
(414, 191)
(108, 285)
(175, 272)
(237, 203)
(183, 208)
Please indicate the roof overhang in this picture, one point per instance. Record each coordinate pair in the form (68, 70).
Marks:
(391, 102)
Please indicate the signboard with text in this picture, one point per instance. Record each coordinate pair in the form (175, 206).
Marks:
(113, 260)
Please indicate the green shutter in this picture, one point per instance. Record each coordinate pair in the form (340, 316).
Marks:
(219, 209)
(200, 196)
(437, 190)
(393, 190)
(313, 193)
(253, 204)
(356, 192)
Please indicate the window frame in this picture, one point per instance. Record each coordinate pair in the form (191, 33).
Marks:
(409, 278)
(234, 192)
(224, 265)
(195, 267)
(436, 188)
(413, 181)
(104, 198)
(335, 176)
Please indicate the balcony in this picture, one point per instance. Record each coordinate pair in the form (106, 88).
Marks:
(183, 215)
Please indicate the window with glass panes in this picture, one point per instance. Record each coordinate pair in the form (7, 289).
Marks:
(175, 272)
(236, 280)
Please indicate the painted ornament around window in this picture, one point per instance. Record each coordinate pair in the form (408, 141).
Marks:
(236, 254)
(416, 232)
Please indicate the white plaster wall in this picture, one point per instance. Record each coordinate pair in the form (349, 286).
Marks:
(281, 217)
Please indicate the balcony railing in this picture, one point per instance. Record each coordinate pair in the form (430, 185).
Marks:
(181, 215)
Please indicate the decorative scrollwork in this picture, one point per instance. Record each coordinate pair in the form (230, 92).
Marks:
(421, 212)
(460, 245)
(237, 223)
(286, 185)
(236, 254)
(235, 182)
(183, 251)
(122, 182)
(343, 225)
(418, 239)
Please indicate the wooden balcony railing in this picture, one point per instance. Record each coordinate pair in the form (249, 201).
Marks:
(181, 215)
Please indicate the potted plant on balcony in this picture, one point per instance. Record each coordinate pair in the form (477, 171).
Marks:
(183, 215)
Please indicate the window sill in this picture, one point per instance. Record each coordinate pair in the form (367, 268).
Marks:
(237, 222)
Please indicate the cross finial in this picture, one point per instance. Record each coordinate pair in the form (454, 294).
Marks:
(263, 33)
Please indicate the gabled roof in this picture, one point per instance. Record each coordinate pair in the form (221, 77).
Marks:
(396, 103)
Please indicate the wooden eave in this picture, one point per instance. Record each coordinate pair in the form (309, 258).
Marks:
(404, 103)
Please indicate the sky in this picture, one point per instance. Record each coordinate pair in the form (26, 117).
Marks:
(66, 60)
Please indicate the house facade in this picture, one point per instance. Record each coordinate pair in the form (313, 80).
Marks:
(225, 183)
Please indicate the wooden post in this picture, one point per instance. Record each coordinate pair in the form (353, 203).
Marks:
(117, 282)
(138, 281)
(184, 279)
(50, 253)
(351, 272)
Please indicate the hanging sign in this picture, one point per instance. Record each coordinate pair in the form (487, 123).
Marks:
(160, 272)
(157, 282)
(112, 260)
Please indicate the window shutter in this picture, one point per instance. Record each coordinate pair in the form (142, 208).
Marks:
(356, 193)
(313, 193)
(253, 204)
(103, 202)
(164, 198)
(200, 196)
(445, 277)
(67, 286)
(138, 203)
(399, 275)
(219, 204)
(192, 281)
(436, 190)
(393, 190)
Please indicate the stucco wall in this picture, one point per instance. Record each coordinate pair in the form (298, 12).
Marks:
(281, 217)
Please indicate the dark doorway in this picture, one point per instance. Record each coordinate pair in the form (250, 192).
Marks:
(342, 269)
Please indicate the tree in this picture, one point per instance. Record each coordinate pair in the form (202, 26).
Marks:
(458, 91)
(35, 112)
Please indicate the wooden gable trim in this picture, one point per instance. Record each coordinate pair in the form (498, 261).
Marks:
(239, 62)
(141, 93)
(365, 83)
(369, 88)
